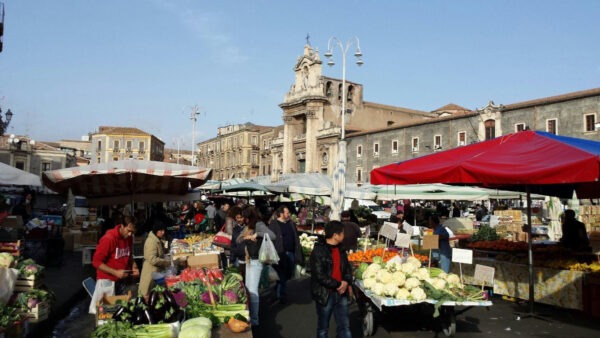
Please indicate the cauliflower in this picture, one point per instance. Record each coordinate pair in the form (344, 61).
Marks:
(377, 289)
(421, 274)
(453, 279)
(412, 283)
(399, 278)
(408, 268)
(390, 289)
(6, 260)
(402, 293)
(442, 275)
(393, 266)
(369, 282)
(374, 267)
(414, 262)
(438, 283)
(383, 276)
(417, 294)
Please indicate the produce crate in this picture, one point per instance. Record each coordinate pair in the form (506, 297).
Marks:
(15, 248)
(39, 313)
(107, 306)
(27, 283)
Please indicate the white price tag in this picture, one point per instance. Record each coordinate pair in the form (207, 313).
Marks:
(402, 240)
(389, 230)
(484, 274)
(462, 256)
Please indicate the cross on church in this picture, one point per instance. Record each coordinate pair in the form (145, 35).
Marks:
(308, 39)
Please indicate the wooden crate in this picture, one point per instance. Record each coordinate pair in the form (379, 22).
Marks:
(26, 284)
(39, 313)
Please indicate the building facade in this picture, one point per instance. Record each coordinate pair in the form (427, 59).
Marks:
(235, 152)
(312, 118)
(574, 114)
(120, 143)
(34, 157)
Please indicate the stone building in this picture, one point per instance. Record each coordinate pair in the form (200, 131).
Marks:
(312, 118)
(120, 143)
(34, 157)
(573, 114)
(235, 152)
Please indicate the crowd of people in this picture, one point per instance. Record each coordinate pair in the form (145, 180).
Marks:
(331, 273)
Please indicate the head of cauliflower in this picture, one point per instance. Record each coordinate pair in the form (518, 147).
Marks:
(417, 294)
(412, 283)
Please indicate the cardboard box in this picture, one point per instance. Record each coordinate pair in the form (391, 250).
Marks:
(13, 221)
(209, 260)
(89, 238)
(107, 306)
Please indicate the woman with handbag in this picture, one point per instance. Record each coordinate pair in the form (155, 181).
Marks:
(252, 237)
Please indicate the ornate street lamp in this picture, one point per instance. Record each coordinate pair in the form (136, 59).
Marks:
(339, 173)
(194, 117)
(5, 122)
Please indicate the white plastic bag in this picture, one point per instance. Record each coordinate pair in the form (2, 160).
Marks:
(8, 277)
(267, 253)
(104, 287)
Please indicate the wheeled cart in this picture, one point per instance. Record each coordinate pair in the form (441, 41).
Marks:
(370, 303)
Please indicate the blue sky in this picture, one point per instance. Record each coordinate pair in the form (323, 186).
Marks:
(69, 66)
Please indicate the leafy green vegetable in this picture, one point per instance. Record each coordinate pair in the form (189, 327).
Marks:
(485, 233)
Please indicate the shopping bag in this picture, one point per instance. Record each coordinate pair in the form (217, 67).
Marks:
(104, 287)
(267, 253)
(222, 238)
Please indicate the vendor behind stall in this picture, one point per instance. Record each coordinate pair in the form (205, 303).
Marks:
(574, 234)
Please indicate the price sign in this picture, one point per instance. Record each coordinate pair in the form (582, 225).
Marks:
(389, 230)
(402, 240)
(462, 256)
(484, 273)
(431, 242)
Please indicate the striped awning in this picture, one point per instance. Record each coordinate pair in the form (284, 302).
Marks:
(134, 178)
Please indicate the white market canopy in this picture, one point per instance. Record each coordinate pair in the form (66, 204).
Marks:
(12, 176)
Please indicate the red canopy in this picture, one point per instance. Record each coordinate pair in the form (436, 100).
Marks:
(547, 163)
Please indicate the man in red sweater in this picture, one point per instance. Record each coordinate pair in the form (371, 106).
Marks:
(113, 258)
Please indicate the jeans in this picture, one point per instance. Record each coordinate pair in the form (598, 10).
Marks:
(338, 305)
(285, 272)
(253, 272)
(445, 263)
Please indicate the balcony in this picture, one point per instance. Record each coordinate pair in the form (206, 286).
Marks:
(116, 150)
(255, 147)
(142, 151)
(277, 142)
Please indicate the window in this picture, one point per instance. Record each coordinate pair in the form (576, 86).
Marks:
(340, 92)
(415, 145)
(462, 138)
(375, 149)
(254, 159)
(394, 146)
(590, 122)
(358, 175)
(551, 126)
(328, 89)
(99, 145)
(350, 93)
(98, 159)
(115, 158)
(325, 158)
(254, 140)
(519, 127)
(142, 146)
(129, 145)
(46, 166)
(437, 142)
(116, 144)
(490, 129)
(359, 151)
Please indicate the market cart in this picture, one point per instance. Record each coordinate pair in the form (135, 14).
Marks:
(370, 303)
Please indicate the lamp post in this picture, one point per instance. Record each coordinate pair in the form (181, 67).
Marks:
(339, 174)
(4, 122)
(194, 117)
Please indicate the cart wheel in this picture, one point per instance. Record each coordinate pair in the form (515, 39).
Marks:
(448, 321)
(368, 321)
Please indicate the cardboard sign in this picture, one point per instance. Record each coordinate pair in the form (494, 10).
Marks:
(484, 273)
(462, 256)
(402, 240)
(431, 242)
(389, 230)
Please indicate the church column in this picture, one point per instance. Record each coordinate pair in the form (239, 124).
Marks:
(312, 156)
(288, 145)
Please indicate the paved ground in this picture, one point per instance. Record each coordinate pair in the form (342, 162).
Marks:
(298, 319)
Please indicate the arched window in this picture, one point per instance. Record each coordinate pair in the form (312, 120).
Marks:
(490, 129)
(350, 93)
(328, 89)
(340, 92)
(325, 158)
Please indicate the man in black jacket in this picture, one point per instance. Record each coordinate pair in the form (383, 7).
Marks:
(331, 280)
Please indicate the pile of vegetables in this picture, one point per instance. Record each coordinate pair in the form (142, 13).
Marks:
(28, 300)
(307, 243)
(9, 315)
(126, 330)
(409, 281)
(485, 233)
(6, 260)
(28, 268)
(214, 298)
(368, 255)
(499, 245)
(160, 308)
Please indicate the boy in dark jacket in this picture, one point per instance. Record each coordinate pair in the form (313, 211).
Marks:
(331, 280)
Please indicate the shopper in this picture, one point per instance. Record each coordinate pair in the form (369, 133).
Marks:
(154, 253)
(114, 261)
(574, 235)
(287, 244)
(331, 280)
(351, 231)
(444, 249)
(237, 255)
(252, 237)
